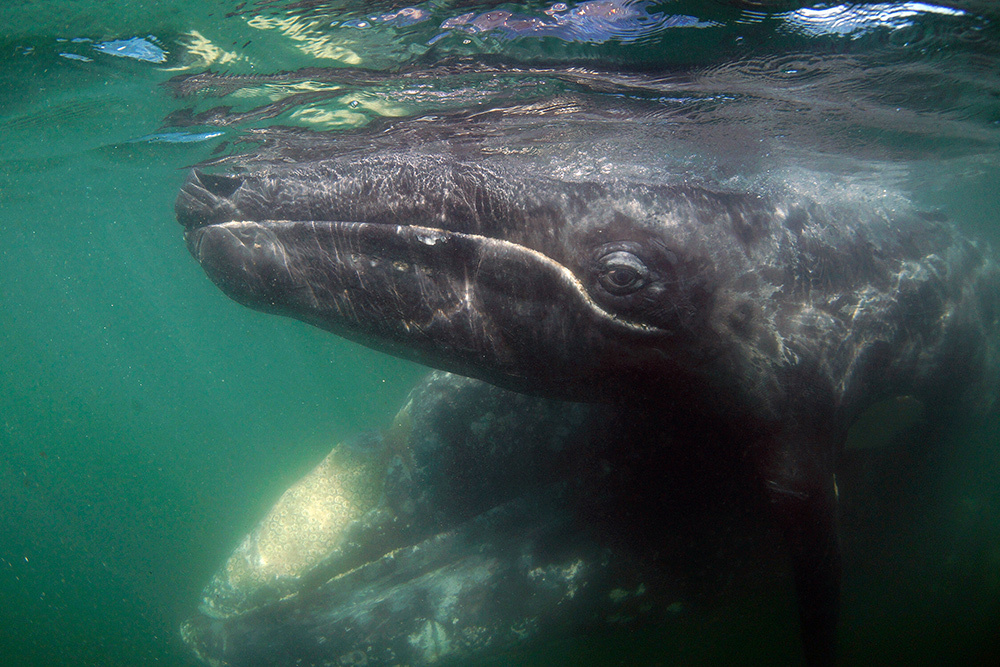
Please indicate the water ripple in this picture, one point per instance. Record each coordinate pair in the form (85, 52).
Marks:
(593, 22)
(853, 21)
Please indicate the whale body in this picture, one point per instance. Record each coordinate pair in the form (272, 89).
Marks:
(583, 254)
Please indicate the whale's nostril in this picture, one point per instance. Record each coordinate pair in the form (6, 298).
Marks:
(220, 185)
(205, 199)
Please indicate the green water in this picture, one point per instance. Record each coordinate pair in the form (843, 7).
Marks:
(146, 420)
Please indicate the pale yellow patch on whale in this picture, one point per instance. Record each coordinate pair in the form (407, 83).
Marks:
(307, 523)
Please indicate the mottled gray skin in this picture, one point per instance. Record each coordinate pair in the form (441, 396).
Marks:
(518, 523)
(763, 312)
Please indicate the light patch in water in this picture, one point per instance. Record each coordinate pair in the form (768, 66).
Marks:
(854, 21)
(379, 106)
(329, 118)
(309, 37)
(200, 52)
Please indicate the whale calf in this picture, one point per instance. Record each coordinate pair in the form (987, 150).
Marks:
(588, 254)
(507, 523)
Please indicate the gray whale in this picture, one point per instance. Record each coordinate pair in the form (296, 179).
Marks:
(760, 311)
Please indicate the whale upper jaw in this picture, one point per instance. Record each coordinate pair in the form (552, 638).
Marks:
(473, 303)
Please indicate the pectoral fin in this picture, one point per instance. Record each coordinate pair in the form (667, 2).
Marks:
(800, 486)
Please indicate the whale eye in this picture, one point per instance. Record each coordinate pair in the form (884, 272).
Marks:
(620, 273)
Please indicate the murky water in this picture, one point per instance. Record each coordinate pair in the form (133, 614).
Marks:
(147, 421)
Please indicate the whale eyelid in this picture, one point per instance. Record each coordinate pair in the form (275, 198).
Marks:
(620, 262)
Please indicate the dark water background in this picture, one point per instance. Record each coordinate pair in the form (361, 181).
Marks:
(146, 421)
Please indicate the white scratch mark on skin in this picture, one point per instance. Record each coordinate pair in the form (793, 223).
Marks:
(775, 486)
(467, 294)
